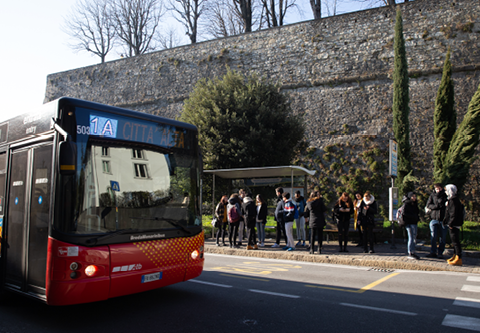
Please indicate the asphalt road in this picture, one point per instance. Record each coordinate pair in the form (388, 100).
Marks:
(240, 294)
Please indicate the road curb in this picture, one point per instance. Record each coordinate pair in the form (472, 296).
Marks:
(368, 260)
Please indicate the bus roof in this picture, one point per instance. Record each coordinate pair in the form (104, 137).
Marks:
(40, 120)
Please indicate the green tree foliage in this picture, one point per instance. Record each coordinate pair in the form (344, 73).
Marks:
(242, 122)
(444, 119)
(460, 155)
(401, 109)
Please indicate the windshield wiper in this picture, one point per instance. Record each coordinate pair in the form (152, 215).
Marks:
(172, 222)
(115, 233)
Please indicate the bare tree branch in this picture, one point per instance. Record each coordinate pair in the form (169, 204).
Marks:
(91, 25)
(224, 19)
(188, 13)
(137, 22)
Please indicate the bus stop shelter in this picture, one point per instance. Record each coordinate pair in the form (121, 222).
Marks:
(259, 173)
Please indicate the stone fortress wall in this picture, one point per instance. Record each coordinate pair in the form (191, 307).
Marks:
(336, 70)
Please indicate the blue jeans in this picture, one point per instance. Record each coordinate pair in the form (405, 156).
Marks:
(261, 232)
(437, 230)
(412, 237)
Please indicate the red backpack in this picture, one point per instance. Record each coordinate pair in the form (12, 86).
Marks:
(233, 215)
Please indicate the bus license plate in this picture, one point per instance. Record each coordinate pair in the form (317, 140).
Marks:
(151, 277)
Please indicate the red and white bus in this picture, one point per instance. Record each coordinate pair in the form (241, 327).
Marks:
(97, 202)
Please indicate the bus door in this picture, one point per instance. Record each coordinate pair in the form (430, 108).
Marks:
(28, 218)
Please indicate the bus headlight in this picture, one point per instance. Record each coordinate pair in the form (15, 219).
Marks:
(91, 270)
(195, 254)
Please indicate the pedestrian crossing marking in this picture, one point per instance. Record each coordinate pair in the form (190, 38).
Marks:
(472, 289)
(467, 323)
(473, 278)
(469, 302)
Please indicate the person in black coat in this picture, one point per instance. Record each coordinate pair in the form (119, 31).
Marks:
(249, 211)
(366, 215)
(342, 211)
(454, 220)
(279, 217)
(411, 218)
(436, 208)
(315, 214)
(261, 219)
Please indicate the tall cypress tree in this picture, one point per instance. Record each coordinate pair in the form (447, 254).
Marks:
(461, 152)
(444, 120)
(401, 109)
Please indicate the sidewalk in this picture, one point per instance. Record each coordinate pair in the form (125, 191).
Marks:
(384, 258)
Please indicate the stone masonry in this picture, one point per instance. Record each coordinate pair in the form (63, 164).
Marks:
(337, 72)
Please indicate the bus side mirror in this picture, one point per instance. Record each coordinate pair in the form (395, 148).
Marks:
(67, 158)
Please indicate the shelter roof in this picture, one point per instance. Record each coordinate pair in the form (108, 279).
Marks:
(263, 172)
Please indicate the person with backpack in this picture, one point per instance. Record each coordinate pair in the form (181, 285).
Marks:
(436, 208)
(221, 215)
(315, 214)
(410, 218)
(366, 215)
(250, 214)
(289, 212)
(234, 212)
(342, 212)
(300, 221)
(454, 216)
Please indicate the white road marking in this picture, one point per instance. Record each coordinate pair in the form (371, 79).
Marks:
(473, 278)
(211, 284)
(467, 323)
(473, 289)
(379, 309)
(470, 302)
(272, 293)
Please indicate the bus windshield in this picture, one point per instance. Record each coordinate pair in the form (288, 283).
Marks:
(131, 187)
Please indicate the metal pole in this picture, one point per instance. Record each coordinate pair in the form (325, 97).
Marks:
(213, 205)
(393, 224)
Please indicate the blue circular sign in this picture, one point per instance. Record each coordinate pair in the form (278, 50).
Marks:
(16, 201)
(40, 200)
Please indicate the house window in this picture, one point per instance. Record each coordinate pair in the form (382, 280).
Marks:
(105, 151)
(137, 153)
(106, 166)
(141, 170)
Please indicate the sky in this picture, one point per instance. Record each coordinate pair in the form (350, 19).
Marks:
(34, 46)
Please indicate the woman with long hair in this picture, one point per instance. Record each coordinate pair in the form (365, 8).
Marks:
(261, 219)
(221, 214)
(356, 207)
(342, 211)
(366, 215)
(315, 214)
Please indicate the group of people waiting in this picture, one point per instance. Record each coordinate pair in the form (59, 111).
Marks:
(446, 212)
(242, 211)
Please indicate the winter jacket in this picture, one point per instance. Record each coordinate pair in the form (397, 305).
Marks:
(249, 211)
(262, 213)
(278, 200)
(279, 212)
(455, 210)
(220, 212)
(436, 204)
(234, 202)
(342, 217)
(410, 212)
(289, 211)
(315, 212)
(300, 203)
(366, 216)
